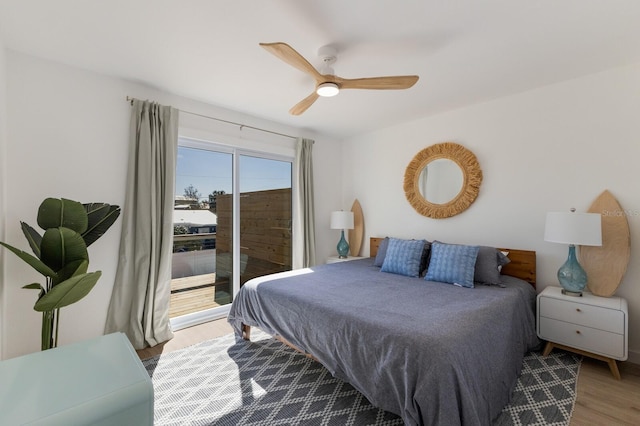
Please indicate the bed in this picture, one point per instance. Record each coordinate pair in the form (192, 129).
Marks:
(432, 352)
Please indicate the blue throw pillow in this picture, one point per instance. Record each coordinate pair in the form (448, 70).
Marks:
(452, 263)
(403, 257)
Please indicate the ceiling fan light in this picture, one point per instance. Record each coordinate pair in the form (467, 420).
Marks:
(327, 89)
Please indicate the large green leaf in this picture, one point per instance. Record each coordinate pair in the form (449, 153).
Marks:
(95, 211)
(54, 213)
(61, 246)
(33, 237)
(68, 292)
(69, 270)
(101, 216)
(33, 261)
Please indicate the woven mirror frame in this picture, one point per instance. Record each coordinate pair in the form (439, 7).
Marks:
(471, 180)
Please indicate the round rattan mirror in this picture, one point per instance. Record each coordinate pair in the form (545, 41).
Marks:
(420, 181)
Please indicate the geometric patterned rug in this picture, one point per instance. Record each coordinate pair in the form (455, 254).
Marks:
(545, 393)
(264, 382)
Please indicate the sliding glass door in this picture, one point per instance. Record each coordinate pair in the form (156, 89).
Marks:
(232, 222)
(265, 216)
(202, 177)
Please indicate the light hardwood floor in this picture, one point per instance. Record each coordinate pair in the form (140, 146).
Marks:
(189, 336)
(601, 400)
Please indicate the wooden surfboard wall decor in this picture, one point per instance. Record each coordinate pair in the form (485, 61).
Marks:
(606, 265)
(357, 233)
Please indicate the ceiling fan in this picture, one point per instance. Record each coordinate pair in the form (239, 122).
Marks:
(327, 83)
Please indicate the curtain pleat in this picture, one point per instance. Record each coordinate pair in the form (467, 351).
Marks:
(304, 238)
(139, 304)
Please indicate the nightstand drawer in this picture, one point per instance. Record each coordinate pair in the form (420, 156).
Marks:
(589, 339)
(588, 315)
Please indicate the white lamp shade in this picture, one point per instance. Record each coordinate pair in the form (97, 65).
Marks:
(341, 220)
(574, 228)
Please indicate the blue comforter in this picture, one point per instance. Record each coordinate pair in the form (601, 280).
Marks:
(433, 353)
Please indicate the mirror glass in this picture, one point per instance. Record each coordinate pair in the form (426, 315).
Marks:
(440, 181)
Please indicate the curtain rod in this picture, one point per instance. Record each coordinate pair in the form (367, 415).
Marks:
(130, 100)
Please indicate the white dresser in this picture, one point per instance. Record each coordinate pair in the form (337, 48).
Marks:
(589, 325)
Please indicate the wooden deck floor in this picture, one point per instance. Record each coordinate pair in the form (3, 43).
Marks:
(192, 294)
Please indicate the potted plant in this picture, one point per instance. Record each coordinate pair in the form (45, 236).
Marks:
(61, 256)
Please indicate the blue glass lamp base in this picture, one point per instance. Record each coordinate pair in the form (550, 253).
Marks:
(343, 246)
(572, 277)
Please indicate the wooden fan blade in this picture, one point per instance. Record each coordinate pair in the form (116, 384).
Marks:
(293, 58)
(304, 104)
(378, 83)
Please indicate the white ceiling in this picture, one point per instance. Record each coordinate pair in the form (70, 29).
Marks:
(465, 51)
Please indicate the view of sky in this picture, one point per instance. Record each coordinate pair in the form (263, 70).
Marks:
(210, 171)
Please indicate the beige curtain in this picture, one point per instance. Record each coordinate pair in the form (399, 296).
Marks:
(304, 237)
(140, 300)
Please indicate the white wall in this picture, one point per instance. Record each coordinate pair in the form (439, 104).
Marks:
(3, 143)
(548, 149)
(67, 137)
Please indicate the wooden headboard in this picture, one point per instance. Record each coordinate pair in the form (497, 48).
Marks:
(522, 265)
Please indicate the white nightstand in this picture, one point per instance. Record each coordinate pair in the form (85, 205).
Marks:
(336, 259)
(590, 325)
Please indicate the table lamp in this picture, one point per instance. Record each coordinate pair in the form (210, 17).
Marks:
(342, 220)
(574, 229)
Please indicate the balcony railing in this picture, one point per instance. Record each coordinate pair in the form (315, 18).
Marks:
(201, 271)
(193, 284)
